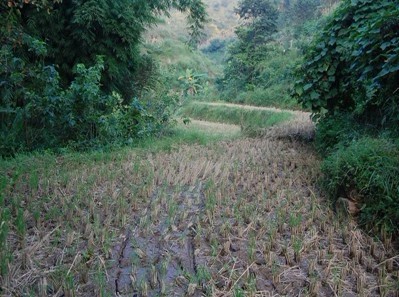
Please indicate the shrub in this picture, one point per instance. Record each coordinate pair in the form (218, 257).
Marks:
(80, 116)
(354, 64)
(369, 170)
(338, 130)
(57, 91)
(350, 81)
(272, 84)
(216, 45)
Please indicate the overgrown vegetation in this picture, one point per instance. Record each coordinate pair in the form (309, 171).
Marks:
(271, 40)
(350, 81)
(76, 67)
(168, 214)
(366, 172)
(250, 49)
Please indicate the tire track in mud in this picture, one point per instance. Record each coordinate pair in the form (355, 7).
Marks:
(158, 256)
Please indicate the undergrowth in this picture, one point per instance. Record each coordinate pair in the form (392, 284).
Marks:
(367, 172)
(277, 95)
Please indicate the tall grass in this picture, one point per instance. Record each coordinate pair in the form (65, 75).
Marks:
(277, 95)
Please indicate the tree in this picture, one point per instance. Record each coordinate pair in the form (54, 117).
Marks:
(354, 64)
(259, 19)
(304, 10)
(76, 64)
(350, 80)
(77, 31)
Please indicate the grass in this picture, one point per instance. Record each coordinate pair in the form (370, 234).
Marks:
(266, 97)
(192, 133)
(176, 56)
(245, 118)
(239, 217)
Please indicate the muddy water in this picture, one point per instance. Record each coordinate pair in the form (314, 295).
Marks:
(156, 256)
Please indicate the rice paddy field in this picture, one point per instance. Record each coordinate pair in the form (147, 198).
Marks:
(234, 216)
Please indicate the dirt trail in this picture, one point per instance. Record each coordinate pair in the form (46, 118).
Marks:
(299, 126)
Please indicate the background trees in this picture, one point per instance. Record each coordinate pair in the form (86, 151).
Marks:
(269, 45)
(259, 23)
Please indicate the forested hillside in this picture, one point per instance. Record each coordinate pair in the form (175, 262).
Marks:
(199, 148)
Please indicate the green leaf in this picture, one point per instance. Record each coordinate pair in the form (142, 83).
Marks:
(385, 45)
(307, 87)
(314, 95)
(299, 90)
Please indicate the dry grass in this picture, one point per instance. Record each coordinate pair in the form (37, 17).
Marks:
(251, 107)
(213, 129)
(238, 218)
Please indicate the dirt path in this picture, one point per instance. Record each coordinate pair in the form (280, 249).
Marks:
(299, 125)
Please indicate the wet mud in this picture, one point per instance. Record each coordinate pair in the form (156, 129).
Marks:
(157, 256)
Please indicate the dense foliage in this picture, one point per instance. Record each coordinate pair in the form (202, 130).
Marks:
(367, 172)
(350, 80)
(270, 43)
(354, 65)
(260, 22)
(75, 66)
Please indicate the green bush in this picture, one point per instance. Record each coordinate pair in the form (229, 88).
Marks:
(368, 167)
(80, 116)
(70, 70)
(350, 82)
(251, 46)
(338, 130)
(177, 60)
(354, 64)
(271, 84)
